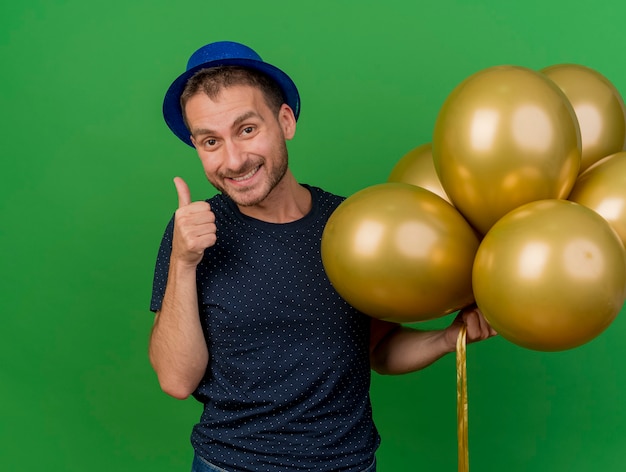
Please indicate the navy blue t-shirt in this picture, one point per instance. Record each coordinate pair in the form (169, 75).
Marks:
(287, 386)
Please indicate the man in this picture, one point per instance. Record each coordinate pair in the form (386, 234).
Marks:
(246, 319)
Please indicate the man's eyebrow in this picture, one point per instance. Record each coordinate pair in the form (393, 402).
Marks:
(250, 114)
(201, 132)
(240, 119)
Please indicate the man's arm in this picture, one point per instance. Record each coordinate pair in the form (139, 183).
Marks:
(397, 349)
(178, 351)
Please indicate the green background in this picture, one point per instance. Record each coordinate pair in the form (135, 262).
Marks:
(87, 168)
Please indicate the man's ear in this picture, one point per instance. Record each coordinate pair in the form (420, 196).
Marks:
(287, 121)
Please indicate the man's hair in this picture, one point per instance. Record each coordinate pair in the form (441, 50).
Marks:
(213, 80)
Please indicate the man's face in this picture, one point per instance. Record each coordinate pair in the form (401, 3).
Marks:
(240, 142)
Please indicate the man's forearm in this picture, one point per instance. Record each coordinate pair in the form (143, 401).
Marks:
(407, 350)
(178, 350)
(402, 349)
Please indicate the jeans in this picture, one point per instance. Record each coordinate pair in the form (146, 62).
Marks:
(200, 465)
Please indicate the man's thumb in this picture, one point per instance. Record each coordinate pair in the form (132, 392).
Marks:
(182, 189)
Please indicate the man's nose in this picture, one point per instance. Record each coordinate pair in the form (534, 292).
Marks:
(235, 156)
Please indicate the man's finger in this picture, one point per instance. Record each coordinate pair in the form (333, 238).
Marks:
(182, 189)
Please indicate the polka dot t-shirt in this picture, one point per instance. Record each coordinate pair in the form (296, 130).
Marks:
(287, 386)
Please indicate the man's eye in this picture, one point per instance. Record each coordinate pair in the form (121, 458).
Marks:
(247, 130)
(210, 142)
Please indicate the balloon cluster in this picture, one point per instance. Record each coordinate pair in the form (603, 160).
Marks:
(518, 205)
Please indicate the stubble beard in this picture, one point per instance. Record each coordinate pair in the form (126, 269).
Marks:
(245, 197)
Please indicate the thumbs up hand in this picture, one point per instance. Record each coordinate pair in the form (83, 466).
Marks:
(194, 227)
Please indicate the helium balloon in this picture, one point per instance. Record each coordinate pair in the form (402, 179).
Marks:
(602, 187)
(399, 252)
(417, 168)
(599, 108)
(550, 275)
(504, 137)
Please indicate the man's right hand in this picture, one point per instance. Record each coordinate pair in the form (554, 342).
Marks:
(194, 227)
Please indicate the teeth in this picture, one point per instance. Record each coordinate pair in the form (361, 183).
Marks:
(247, 176)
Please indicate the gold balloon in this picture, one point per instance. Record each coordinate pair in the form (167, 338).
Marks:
(504, 137)
(598, 106)
(550, 275)
(416, 167)
(602, 187)
(399, 252)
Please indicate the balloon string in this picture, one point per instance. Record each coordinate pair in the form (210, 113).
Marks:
(461, 400)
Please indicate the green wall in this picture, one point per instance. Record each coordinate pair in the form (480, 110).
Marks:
(87, 168)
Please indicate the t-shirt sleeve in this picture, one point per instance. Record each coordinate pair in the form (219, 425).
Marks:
(162, 268)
